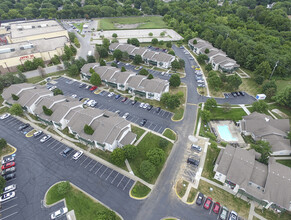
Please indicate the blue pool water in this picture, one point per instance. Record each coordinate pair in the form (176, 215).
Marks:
(224, 133)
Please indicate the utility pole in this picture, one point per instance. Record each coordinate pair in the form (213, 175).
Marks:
(274, 69)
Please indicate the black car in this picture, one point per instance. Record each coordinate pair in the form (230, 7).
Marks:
(158, 110)
(80, 98)
(9, 176)
(242, 93)
(226, 95)
(133, 102)
(193, 161)
(234, 94)
(237, 93)
(199, 199)
(22, 127)
(142, 123)
(149, 107)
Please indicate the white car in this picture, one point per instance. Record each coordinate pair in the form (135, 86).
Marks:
(10, 188)
(52, 88)
(59, 213)
(7, 196)
(91, 103)
(6, 115)
(45, 138)
(74, 96)
(37, 133)
(125, 115)
(111, 94)
(141, 105)
(145, 105)
(77, 155)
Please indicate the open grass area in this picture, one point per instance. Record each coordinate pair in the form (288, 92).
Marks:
(84, 207)
(270, 215)
(140, 190)
(181, 187)
(234, 114)
(282, 84)
(1, 100)
(37, 79)
(178, 113)
(149, 141)
(148, 22)
(138, 131)
(3, 110)
(42, 125)
(192, 195)
(283, 109)
(250, 86)
(79, 26)
(285, 162)
(211, 156)
(170, 134)
(6, 150)
(83, 146)
(225, 198)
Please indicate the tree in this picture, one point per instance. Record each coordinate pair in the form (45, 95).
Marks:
(171, 52)
(88, 129)
(134, 41)
(182, 63)
(73, 70)
(95, 79)
(130, 151)
(125, 55)
(175, 80)
(175, 65)
(91, 59)
(143, 72)
(117, 54)
(14, 97)
(226, 107)
(270, 89)
(156, 156)
(55, 60)
(150, 76)
(118, 156)
(259, 79)
(263, 69)
(205, 115)
(137, 59)
(150, 34)
(170, 101)
(163, 143)
(234, 81)
(206, 51)
(57, 91)
(284, 97)
(2, 184)
(102, 51)
(102, 63)
(264, 148)
(218, 42)
(210, 104)
(201, 58)
(3, 143)
(114, 35)
(16, 109)
(106, 43)
(72, 36)
(260, 106)
(114, 64)
(169, 44)
(47, 111)
(123, 69)
(155, 41)
(208, 67)
(63, 188)
(147, 169)
(214, 81)
(76, 42)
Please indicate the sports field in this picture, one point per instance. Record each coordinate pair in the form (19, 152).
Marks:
(149, 22)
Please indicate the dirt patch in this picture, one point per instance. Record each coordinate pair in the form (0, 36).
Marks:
(127, 26)
(282, 114)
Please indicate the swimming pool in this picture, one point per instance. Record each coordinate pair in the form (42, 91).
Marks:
(224, 133)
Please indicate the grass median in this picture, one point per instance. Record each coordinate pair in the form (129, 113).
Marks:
(170, 134)
(270, 215)
(181, 187)
(138, 131)
(285, 162)
(140, 190)
(192, 195)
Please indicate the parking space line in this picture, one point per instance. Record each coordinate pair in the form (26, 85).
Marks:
(9, 215)
(99, 168)
(3, 210)
(114, 178)
(159, 129)
(83, 161)
(59, 147)
(71, 153)
(104, 172)
(9, 199)
(89, 163)
(109, 174)
(154, 127)
(120, 181)
(126, 184)
(55, 145)
(163, 114)
(93, 166)
(52, 142)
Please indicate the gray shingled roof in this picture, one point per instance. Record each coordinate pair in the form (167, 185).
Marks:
(128, 138)
(48, 102)
(134, 82)
(15, 89)
(86, 68)
(153, 85)
(28, 97)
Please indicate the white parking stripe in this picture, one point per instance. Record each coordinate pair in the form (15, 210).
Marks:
(9, 215)
(104, 172)
(55, 145)
(154, 128)
(84, 161)
(99, 168)
(108, 175)
(126, 184)
(59, 147)
(71, 153)
(9, 200)
(3, 210)
(52, 142)
(114, 178)
(160, 129)
(93, 166)
(120, 181)
(89, 163)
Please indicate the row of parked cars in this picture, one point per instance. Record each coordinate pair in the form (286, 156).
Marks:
(199, 77)
(234, 94)
(217, 208)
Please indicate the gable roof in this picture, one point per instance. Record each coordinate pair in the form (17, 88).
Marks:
(15, 89)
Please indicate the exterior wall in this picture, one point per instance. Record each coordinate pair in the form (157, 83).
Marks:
(220, 177)
(41, 36)
(282, 152)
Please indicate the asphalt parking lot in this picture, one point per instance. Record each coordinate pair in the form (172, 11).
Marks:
(85, 167)
(157, 122)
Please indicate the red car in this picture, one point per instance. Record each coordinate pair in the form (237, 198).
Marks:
(216, 208)
(7, 165)
(124, 99)
(93, 88)
(207, 203)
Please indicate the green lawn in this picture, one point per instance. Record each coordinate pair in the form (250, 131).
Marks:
(234, 114)
(140, 190)
(85, 208)
(283, 109)
(79, 26)
(270, 215)
(1, 100)
(285, 162)
(178, 113)
(6, 150)
(192, 195)
(170, 134)
(138, 131)
(181, 187)
(211, 156)
(3, 110)
(151, 22)
(149, 141)
(282, 84)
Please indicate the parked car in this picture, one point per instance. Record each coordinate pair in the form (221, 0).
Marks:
(193, 161)
(196, 148)
(6, 115)
(93, 88)
(226, 95)
(77, 155)
(216, 207)
(67, 151)
(111, 94)
(232, 215)
(223, 213)
(9, 176)
(237, 93)
(207, 203)
(7, 196)
(124, 99)
(145, 105)
(141, 105)
(59, 213)
(8, 170)
(133, 102)
(9, 188)
(200, 81)
(80, 99)
(7, 165)
(74, 96)
(158, 109)
(149, 107)
(45, 138)
(199, 199)
(201, 85)
(81, 85)
(242, 93)
(234, 94)
(142, 123)
(117, 111)
(117, 96)
(91, 103)
(22, 127)
(8, 159)
(37, 133)
(125, 115)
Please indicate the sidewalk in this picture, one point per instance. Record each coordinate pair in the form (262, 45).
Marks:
(245, 109)
(252, 212)
(141, 137)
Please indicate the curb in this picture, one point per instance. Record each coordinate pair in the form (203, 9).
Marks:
(170, 217)
(138, 198)
(14, 150)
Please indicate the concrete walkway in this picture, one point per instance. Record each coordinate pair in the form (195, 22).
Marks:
(128, 167)
(272, 114)
(185, 197)
(141, 137)
(282, 158)
(245, 109)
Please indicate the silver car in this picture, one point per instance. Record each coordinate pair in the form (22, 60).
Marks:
(223, 213)
(45, 138)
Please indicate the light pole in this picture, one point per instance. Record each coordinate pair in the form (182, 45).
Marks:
(274, 69)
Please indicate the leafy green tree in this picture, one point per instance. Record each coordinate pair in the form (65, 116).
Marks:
(114, 64)
(205, 115)
(210, 104)
(206, 51)
(264, 148)
(14, 97)
(137, 59)
(150, 34)
(135, 42)
(73, 70)
(123, 69)
(74, 50)
(150, 76)
(259, 79)
(218, 42)
(182, 63)
(208, 67)
(156, 156)
(16, 109)
(284, 97)
(125, 55)
(175, 65)
(2, 184)
(260, 106)
(169, 44)
(201, 58)
(171, 52)
(118, 156)
(91, 59)
(47, 111)
(214, 82)
(114, 35)
(102, 51)
(88, 129)
(3, 143)
(143, 72)
(170, 101)
(175, 80)
(263, 69)
(72, 36)
(95, 79)
(155, 41)
(106, 43)
(63, 188)
(102, 63)
(163, 143)
(234, 81)
(130, 151)
(55, 60)
(270, 89)
(57, 91)
(117, 54)
(147, 169)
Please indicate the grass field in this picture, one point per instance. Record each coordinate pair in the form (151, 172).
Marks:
(138, 131)
(212, 154)
(169, 134)
(84, 207)
(282, 84)
(151, 22)
(285, 162)
(6, 150)
(149, 141)
(270, 215)
(234, 114)
(192, 195)
(140, 190)
(181, 187)
(37, 79)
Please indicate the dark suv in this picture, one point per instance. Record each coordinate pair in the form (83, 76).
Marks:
(22, 127)
(193, 161)
(67, 151)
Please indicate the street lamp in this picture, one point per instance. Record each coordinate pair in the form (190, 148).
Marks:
(274, 69)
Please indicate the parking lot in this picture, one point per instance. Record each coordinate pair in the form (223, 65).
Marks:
(156, 121)
(88, 167)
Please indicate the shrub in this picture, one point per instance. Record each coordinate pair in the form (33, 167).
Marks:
(118, 156)
(47, 111)
(147, 169)
(163, 143)
(15, 97)
(130, 151)
(210, 135)
(88, 129)
(63, 188)
(3, 143)
(156, 156)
